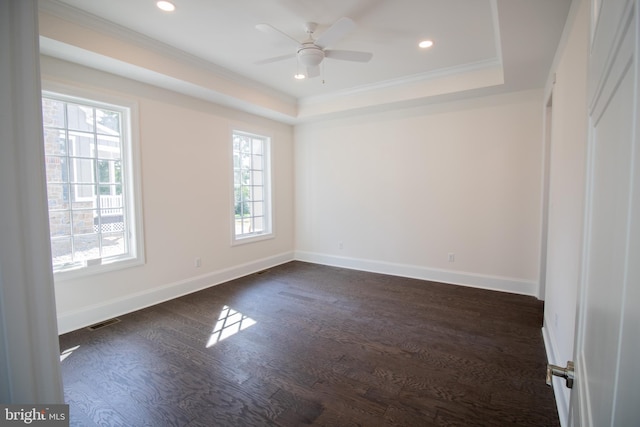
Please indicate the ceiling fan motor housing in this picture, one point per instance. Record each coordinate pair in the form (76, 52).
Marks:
(310, 55)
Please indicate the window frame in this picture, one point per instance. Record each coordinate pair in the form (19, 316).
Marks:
(131, 185)
(267, 188)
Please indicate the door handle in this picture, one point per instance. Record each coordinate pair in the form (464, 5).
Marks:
(567, 373)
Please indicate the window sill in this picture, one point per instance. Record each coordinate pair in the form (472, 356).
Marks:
(91, 270)
(236, 241)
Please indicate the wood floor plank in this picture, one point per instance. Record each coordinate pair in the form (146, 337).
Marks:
(307, 344)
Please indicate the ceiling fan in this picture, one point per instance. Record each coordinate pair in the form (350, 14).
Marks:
(311, 52)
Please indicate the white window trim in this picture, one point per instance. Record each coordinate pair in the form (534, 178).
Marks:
(133, 169)
(268, 188)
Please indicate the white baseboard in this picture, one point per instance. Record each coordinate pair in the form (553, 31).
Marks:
(89, 315)
(559, 389)
(76, 319)
(496, 283)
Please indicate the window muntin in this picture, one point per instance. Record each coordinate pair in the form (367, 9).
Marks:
(251, 186)
(90, 183)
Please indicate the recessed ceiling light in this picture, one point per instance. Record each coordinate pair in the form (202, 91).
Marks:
(167, 6)
(424, 44)
(299, 76)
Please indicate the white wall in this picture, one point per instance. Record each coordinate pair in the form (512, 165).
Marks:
(186, 182)
(566, 194)
(397, 192)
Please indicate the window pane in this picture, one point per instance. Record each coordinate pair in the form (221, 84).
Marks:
(258, 194)
(82, 170)
(55, 142)
(83, 221)
(112, 204)
(81, 144)
(86, 247)
(56, 169)
(258, 208)
(237, 178)
(109, 171)
(111, 220)
(61, 251)
(79, 117)
(108, 147)
(113, 244)
(103, 171)
(58, 196)
(245, 158)
(257, 146)
(108, 122)
(106, 190)
(60, 223)
(83, 196)
(53, 113)
(256, 178)
(258, 224)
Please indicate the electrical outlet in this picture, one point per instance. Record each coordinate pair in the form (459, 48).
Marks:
(197, 263)
(452, 257)
(340, 245)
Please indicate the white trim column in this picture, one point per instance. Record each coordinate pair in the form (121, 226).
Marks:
(29, 349)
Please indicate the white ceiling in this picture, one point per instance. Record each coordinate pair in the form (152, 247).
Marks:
(513, 41)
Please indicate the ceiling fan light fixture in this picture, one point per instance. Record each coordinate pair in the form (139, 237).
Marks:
(166, 6)
(310, 56)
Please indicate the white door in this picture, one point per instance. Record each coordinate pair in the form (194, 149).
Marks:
(607, 350)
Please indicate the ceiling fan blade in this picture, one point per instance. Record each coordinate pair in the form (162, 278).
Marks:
(275, 59)
(337, 31)
(313, 71)
(269, 29)
(349, 55)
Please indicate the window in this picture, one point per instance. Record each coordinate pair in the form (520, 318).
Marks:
(251, 187)
(93, 211)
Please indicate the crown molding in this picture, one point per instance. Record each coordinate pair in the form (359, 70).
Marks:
(94, 23)
(494, 64)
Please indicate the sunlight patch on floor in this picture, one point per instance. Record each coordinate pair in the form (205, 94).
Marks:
(230, 322)
(68, 352)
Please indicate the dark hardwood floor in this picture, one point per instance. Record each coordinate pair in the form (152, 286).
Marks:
(305, 344)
